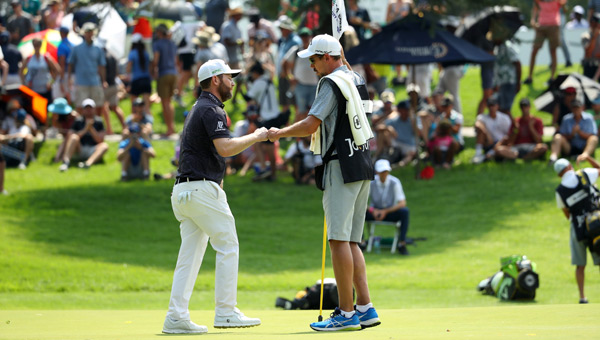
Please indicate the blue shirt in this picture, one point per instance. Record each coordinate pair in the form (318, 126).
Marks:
(64, 50)
(136, 70)
(135, 154)
(586, 124)
(166, 61)
(284, 46)
(85, 60)
(404, 130)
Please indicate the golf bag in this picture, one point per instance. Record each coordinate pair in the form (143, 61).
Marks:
(310, 296)
(592, 224)
(516, 280)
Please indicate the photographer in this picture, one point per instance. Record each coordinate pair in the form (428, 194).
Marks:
(261, 98)
(303, 161)
(134, 154)
(577, 199)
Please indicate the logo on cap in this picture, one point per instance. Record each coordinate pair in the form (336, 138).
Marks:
(217, 71)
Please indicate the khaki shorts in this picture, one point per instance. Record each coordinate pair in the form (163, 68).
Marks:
(552, 33)
(94, 92)
(165, 85)
(345, 205)
(578, 251)
(111, 95)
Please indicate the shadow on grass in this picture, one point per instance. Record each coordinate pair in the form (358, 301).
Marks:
(280, 225)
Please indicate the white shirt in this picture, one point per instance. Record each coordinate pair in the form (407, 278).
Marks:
(498, 128)
(262, 91)
(301, 68)
(309, 159)
(569, 180)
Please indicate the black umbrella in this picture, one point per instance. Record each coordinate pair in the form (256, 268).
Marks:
(587, 91)
(502, 21)
(175, 10)
(414, 40)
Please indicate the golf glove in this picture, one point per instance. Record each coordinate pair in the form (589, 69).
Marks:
(184, 197)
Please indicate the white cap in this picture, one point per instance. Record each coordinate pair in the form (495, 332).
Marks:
(215, 67)
(88, 102)
(322, 44)
(578, 9)
(561, 165)
(136, 37)
(382, 165)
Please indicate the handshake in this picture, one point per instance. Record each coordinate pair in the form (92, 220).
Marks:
(263, 134)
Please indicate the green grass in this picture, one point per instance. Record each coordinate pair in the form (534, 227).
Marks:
(500, 322)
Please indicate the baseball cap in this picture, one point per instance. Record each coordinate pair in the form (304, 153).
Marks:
(382, 165)
(60, 107)
(561, 165)
(88, 26)
(88, 102)
(21, 114)
(525, 102)
(215, 67)
(570, 89)
(403, 104)
(412, 87)
(138, 102)
(136, 37)
(492, 101)
(15, 2)
(322, 44)
(579, 10)
(576, 103)
(448, 100)
(387, 96)
(63, 29)
(304, 31)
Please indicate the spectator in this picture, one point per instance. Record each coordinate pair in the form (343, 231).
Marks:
(53, 15)
(259, 24)
(86, 139)
(20, 22)
(263, 99)
(359, 19)
(207, 47)
(62, 87)
(310, 18)
(138, 69)
(562, 106)
(507, 74)
(429, 115)
(165, 73)
(33, 7)
(595, 111)
(388, 201)
(398, 9)
(397, 136)
(449, 81)
(261, 53)
(13, 58)
(63, 117)
(422, 78)
(215, 13)
(525, 140)
(303, 81)
(593, 8)
(41, 71)
(289, 39)
(231, 36)
(591, 46)
(578, 20)
(576, 207)
(185, 58)
(388, 110)
(303, 161)
(88, 62)
(563, 42)
(545, 18)
(449, 124)
(134, 155)
(111, 92)
(18, 135)
(577, 134)
(490, 129)
(141, 118)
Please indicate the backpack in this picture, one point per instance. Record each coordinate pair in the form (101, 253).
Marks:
(309, 298)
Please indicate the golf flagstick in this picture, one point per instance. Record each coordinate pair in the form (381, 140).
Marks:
(323, 267)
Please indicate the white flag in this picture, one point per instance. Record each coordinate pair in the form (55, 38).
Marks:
(339, 23)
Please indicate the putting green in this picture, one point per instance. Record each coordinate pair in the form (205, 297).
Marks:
(506, 321)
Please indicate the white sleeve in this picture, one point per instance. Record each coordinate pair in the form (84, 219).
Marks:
(291, 151)
(559, 202)
(592, 174)
(257, 89)
(399, 192)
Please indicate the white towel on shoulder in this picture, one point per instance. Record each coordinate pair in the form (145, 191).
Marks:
(359, 124)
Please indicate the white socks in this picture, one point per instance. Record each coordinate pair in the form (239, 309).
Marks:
(347, 315)
(364, 308)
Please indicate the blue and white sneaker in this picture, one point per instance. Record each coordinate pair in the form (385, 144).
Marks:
(368, 318)
(337, 322)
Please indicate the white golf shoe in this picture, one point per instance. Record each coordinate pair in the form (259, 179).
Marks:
(182, 327)
(235, 320)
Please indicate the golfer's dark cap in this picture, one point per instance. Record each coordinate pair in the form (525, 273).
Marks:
(570, 90)
(576, 103)
(492, 101)
(404, 104)
(524, 102)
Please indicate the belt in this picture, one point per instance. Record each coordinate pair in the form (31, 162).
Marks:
(188, 179)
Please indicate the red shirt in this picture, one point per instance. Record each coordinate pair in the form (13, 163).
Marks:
(523, 134)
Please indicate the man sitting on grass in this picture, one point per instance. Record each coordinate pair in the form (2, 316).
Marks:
(134, 154)
(577, 134)
(490, 129)
(86, 140)
(525, 140)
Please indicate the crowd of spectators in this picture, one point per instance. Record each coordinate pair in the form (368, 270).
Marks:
(84, 83)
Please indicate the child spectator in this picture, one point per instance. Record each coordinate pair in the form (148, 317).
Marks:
(134, 154)
(443, 147)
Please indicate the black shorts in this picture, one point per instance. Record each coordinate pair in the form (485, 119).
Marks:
(141, 86)
(187, 61)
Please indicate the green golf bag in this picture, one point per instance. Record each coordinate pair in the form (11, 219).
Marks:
(516, 280)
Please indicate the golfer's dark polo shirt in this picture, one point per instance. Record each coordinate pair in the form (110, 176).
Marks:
(198, 157)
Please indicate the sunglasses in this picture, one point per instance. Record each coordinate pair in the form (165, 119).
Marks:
(312, 61)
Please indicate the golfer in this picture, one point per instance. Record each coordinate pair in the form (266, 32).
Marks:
(200, 204)
(340, 134)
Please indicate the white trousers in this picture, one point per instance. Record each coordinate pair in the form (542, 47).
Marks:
(206, 215)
